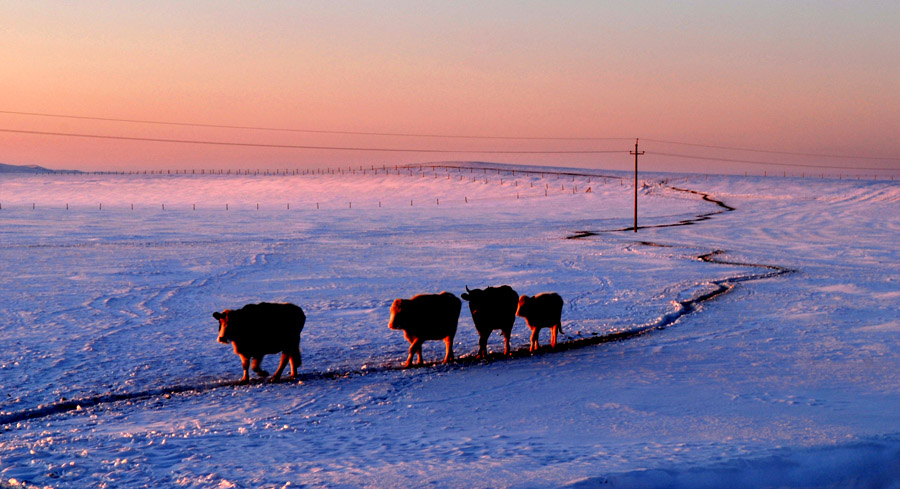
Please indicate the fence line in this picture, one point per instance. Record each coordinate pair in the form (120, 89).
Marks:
(408, 169)
(477, 173)
(296, 207)
(521, 192)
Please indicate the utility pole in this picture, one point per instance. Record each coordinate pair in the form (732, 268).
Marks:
(636, 153)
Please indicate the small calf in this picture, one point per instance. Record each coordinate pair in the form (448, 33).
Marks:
(541, 311)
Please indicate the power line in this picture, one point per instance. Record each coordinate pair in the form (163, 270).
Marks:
(818, 155)
(754, 162)
(314, 131)
(444, 136)
(428, 135)
(297, 146)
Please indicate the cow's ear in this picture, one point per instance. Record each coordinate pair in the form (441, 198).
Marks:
(396, 305)
(217, 315)
(464, 296)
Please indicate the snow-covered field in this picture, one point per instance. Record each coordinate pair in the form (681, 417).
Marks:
(111, 376)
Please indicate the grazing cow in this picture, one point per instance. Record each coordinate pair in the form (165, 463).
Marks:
(256, 330)
(541, 311)
(426, 317)
(492, 308)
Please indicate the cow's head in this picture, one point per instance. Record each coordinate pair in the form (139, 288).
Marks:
(524, 306)
(474, 297)
(397, 317)
(222, 317)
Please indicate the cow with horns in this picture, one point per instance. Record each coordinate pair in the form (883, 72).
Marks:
(492, 308)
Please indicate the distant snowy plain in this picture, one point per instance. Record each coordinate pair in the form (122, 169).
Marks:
(110, 375)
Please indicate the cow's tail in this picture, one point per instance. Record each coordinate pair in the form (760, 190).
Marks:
(559, 323)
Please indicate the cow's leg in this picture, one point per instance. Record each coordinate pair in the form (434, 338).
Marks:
(506, 334)
(283, 363)
(482, 344)
(415, 346)
(449, 356)
(245, 364)
(535, 332)
(419, 352)
(553, 330)
(296, 361)
(254, 365)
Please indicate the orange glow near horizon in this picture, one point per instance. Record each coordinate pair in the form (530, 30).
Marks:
(770, 76)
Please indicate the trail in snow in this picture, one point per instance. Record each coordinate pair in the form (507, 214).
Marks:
(684, 308)
(762, 386)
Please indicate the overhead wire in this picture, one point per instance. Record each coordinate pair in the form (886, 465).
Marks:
(434, 135)
(317, 131)
(303, 146)
(792, 153)
(767, 163)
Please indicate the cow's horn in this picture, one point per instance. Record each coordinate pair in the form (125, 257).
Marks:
(467, 289)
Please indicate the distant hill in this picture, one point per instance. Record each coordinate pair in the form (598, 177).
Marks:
(4, 168)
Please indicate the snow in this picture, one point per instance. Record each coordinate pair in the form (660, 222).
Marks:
(111, 375)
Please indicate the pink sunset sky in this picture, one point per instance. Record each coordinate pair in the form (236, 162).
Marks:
(819, 78)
